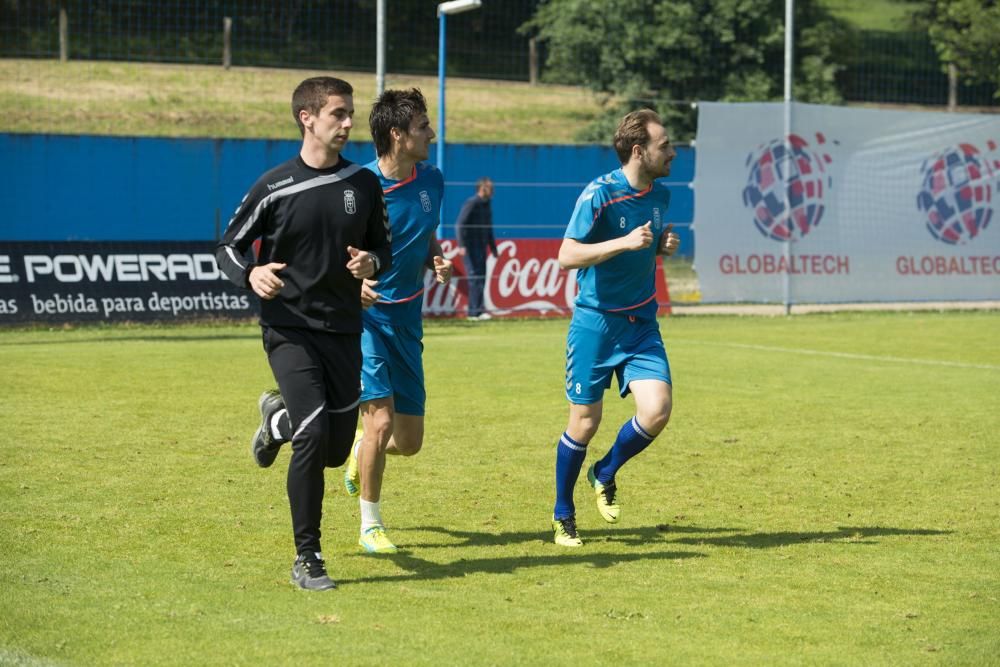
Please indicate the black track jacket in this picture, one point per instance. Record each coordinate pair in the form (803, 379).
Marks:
(306, 218)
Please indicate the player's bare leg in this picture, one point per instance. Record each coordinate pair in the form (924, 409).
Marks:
(377, 419)
(407, 435)
(653, 402)
(584, 420)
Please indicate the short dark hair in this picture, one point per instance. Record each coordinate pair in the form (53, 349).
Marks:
(394, 109)
(312, 95)
(632, 131)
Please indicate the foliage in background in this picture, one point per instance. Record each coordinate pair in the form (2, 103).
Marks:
(967, 34)
(714, 49)
(666, 54)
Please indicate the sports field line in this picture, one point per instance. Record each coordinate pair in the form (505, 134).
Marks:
(840, 355)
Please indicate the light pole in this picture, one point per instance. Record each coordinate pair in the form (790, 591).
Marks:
(444, 9)
(379, 47)
(786, 280)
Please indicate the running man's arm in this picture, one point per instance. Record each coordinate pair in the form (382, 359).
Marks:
(245, 227)
(378, 238)
(576, 255)
(437, 263)
(369, 297)
(669, 242)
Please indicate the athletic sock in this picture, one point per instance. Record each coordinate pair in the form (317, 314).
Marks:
(631, 440)
(370, 515)
(281, 426)
(569, 459)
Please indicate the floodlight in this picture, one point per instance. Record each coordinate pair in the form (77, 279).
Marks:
(458, 6)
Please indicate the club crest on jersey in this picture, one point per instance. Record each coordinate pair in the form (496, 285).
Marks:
(350, 203)
(656, 217)
(425, 201)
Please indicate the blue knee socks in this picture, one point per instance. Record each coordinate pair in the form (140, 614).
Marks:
(631, 440)
(569, 459)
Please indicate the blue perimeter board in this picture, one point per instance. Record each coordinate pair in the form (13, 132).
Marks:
(96, 188)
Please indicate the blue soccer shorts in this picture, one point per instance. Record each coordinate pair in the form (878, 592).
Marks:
(393, 366)
(600, 345)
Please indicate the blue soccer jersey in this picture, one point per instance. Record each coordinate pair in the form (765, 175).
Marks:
(610, 208)
(414, 206)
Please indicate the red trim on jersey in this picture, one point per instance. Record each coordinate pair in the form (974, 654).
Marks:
(382, 299)
(614, 201)
(618, 310)
(403, 182)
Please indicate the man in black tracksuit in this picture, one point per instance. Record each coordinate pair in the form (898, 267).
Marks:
(474, 229)
(323, 228)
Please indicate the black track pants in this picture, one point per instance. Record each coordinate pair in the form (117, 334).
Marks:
(319, 376)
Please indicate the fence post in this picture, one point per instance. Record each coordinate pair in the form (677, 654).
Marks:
(227, 42)
(952, 87)
(533, 61)
(63, 35)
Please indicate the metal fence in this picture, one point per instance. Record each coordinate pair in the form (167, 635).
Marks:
(881, 67)
(269, 33)
(903, 68)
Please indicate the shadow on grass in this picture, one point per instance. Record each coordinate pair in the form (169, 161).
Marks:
(843, 534)
(642, 535)
(693, 536)
(418, 569)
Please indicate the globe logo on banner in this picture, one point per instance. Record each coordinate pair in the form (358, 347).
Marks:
(778, 168)
(956, 192)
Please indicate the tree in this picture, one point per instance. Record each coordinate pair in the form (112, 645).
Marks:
(964, 33)
(669, 53)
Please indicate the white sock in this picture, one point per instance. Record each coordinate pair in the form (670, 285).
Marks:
(370, 515)
(274, 423)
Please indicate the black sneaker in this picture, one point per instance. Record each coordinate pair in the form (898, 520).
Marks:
(309, 573)
(264, 446)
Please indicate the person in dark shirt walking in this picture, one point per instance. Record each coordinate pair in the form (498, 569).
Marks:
(474, 228)
(323, 228)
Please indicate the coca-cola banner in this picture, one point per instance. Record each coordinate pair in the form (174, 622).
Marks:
(523, 280)
(142, 281)
(115, 282)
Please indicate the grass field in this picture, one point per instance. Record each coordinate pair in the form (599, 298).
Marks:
(140, 99)
(825, 494)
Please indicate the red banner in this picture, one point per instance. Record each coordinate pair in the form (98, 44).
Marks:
(524, 280)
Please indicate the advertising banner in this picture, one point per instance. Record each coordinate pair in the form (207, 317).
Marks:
(115, 282)
(523, 280)
(853, 205)
(145, 281)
